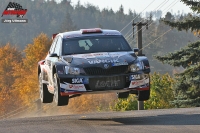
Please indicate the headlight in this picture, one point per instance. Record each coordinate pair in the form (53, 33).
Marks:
(66, 69)
(72, 70)
(136, 67)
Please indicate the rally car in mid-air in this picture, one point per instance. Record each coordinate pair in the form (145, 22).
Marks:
(92, 61)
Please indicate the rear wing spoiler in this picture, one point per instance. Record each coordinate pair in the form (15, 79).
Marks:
(54, 35)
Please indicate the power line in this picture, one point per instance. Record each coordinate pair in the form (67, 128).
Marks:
(136, 16)
(170, 5)
(154, 10)
(157, 38)
(164, 2)
(127, 32)
(163, 10)
(143, 29)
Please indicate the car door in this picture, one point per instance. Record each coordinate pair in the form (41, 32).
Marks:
(48, 61)
(52, 60)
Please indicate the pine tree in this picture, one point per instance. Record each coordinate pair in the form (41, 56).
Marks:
(67, 24)
(187, 86)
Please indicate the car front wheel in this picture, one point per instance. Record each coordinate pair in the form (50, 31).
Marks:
(123, 95)
(45, 95)
(59, 100)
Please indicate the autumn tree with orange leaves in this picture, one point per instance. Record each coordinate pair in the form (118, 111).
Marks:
(10, 57)
(27, 84)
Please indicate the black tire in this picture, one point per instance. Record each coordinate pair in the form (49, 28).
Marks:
(59, 100)
(123, 94)
(143, 95)
(45, 95)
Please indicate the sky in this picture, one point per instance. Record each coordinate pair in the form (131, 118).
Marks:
(139, 5)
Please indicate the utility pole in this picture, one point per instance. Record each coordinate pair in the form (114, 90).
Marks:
(139, 45)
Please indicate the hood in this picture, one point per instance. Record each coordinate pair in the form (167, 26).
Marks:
(99, 59)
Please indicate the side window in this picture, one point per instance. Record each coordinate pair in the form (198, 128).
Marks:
(53, 45)
(58, 45)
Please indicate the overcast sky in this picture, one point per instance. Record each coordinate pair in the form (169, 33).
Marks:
(139, 5)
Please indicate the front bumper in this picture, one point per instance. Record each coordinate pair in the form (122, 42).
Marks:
(78, 84)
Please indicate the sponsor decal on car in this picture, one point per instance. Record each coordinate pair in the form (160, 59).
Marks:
(111, 33)
(117, 54)
(137, 83)
(134, 77)
(87, 56)
(91, 55)
(77, 80)
(102, 54)
(112, 83)
(120, 64)
(76, 87)
(72, 36)
(103, 61)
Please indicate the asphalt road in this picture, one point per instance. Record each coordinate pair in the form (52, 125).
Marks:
(185, 120)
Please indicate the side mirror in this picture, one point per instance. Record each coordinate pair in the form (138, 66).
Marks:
(136, 50)
(53, 55)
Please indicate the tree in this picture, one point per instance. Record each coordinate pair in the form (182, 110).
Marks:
(187, 87)
(161, 95)
(121, 9)
(67, 24)
(66, 2)
(169, 17)
(120, 13)
(10, 57)
(27, 83)
(125, 104)
(161, 92)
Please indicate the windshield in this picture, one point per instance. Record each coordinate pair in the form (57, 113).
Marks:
(95, 44)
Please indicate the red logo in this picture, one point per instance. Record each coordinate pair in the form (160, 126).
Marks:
(137, 82)
(14, 8)
(70, 86)
(76, 86)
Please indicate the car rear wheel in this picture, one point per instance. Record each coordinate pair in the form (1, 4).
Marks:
(45, 95)
(143, 95)
(59, 100)
(123, 94)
